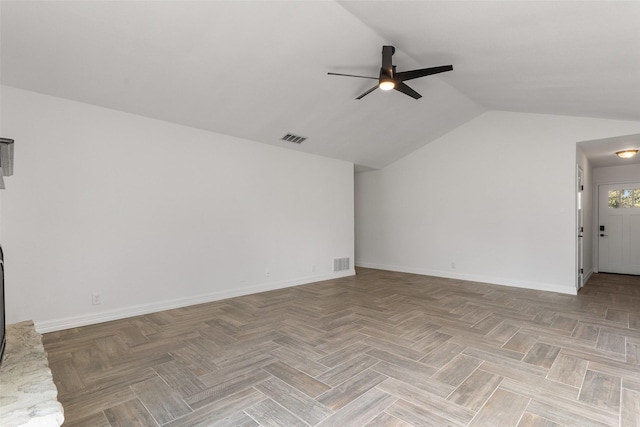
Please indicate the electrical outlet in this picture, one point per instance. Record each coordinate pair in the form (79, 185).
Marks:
(96, 298)
(267, 273)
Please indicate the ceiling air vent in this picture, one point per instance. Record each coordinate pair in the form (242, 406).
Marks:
(293, 138)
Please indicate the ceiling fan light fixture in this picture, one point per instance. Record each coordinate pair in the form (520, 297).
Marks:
(387, 85)
(626, 154)
(390, 79)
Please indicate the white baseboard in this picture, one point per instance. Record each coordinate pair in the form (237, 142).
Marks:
(137, 310)
(586, 276)
(549, 287)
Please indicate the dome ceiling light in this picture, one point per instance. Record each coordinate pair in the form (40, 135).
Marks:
(627, 154)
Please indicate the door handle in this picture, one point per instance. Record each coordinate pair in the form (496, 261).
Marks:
(603, 235)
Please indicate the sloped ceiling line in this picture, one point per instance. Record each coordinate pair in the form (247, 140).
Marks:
(257, 69)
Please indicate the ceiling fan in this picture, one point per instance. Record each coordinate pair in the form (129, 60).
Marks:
(390, 79)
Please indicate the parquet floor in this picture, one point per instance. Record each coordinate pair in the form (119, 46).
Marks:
(378, 349)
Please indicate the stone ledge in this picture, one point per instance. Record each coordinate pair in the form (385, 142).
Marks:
(28, 395)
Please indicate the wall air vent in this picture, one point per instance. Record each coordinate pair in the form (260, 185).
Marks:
(293, 138)
(341, 264)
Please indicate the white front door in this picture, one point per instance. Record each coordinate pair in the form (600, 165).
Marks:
(619, 228)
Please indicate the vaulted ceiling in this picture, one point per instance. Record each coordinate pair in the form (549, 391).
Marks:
(258, 69)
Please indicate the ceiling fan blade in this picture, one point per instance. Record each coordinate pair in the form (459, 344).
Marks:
(401, 87)
(414, 74)
(387, 53)
(352, 75)
(368, 92)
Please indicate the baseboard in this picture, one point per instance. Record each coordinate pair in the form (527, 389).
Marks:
(586, 276)
(137, 310)
(549, 287)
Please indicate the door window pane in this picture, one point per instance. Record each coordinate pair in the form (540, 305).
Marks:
(614, 198)
(636, 197)
(627, 198)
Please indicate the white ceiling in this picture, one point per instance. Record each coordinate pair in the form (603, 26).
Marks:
(257, 69)
(601, 152)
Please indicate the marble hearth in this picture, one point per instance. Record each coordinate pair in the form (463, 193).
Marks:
(28, 395)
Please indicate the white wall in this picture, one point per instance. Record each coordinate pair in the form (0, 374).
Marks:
(491, 201)
(155, 215)
(616, 174)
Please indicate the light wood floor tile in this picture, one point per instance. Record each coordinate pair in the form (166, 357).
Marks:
(269, 414)
(630, 408)
(502, 409)
(456, 371)
(91, 403)
(417, 415)
(306, 408)
(617, 316)
(299, 362)
(542, 355)
(486, 346)
(130, 413)
(586, 332)
(631, 384)
(435, 405)
(634, 320)
(420, 377)
(475, 390)
(132, 335)
(351, 389)
(215, 412)
(340, 356)
(163, 402)
(551, 395)
(430, 342)
(442, 355)
(386, 420)
(568, 370)
(530, 420)
(633, 352)
(125, 368)
(413, 367)
(394, 348)
(239, 419)
(601, 390)
(362, 410)
(243, 366)
(97, 419)
(67, 378)
(227, 388)
(180, 378)
(299, 380)
(564, 323)
(611, 342)
(348, 369)
(558, 414)
(503, 332)
(377, 349)
(506, 367)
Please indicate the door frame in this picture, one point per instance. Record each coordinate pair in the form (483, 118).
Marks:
(596, 223)
(579, 227)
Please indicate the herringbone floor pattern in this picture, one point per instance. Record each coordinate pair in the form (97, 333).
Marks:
(378, 349)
